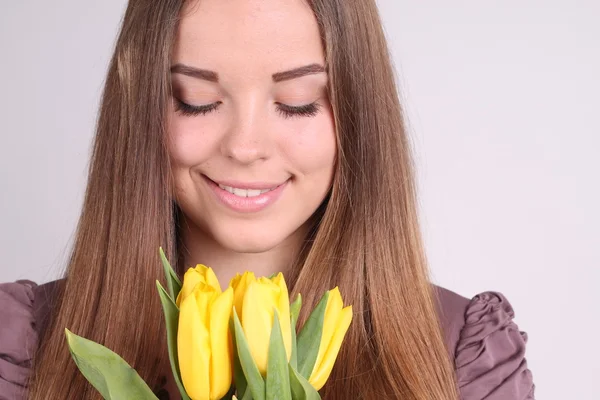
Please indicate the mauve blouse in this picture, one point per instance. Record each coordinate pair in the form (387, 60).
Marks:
(485, 342)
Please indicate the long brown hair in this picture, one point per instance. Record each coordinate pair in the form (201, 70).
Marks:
(366, 237)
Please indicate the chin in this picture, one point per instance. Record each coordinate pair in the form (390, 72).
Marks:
(249, 242)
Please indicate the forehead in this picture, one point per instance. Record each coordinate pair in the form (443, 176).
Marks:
(248, 35)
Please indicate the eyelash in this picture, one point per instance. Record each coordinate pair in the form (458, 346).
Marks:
(191, 111)
(307, 110)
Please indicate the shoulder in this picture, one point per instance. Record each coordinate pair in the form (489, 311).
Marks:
(452, 308)
(24, 310)
(486, 344)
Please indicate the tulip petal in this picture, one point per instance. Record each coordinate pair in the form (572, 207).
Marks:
(193, 276)
(234, 282)
(283, 307)
(193, 348)
(240, 284)
(332, 313)
(190, 279)
(258, 306)
(270, 290)
(321, 375)
(210, 277)
(220, 356)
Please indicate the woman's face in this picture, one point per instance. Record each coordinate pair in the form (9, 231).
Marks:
(252, 133)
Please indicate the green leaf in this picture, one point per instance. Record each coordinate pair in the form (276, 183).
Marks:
(238, 374)
(278, 376)
(251, 372)
(173, 282)
(295, 308)
(106, 371)
(309, 339)
(172, 324)
(247, 395)
(301, 388)
(294, 312)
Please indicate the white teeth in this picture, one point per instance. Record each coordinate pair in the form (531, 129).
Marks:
(253, 193)
(244, 192)
(240, 192)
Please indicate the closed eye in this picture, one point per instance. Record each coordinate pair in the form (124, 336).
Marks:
(307, 110)
(191, 111)
(287, 111)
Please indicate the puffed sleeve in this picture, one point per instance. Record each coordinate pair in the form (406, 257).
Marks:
(490, 354)
(18, 337)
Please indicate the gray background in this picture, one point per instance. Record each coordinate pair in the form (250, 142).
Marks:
(502, 100)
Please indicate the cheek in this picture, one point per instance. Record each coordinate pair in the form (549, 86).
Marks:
(312, 149)
(189, 143)
(188, 147)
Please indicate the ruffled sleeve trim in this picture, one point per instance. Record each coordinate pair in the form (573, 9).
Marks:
(490, 354)
(18, 337)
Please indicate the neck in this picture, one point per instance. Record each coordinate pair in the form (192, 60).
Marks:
(198, 247)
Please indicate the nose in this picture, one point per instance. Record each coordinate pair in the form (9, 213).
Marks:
(247, 139)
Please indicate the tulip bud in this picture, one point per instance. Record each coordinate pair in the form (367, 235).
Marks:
(255, 301)
(203, 335)
(335, 325)
(193, 276)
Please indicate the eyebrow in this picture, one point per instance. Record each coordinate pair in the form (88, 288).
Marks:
(212, 76)
(195, 72)
(310, 69)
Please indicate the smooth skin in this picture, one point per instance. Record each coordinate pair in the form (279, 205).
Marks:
(246, 118)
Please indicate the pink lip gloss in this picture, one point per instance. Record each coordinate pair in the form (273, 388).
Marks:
(247, 204)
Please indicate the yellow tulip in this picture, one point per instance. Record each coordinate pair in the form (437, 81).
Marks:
(193, 276)
(255, 301)
(335, 325)
(203, 335)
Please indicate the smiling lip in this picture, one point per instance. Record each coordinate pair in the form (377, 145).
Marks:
(247, 204)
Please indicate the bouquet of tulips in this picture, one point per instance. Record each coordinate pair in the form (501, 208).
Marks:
(240, 343)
